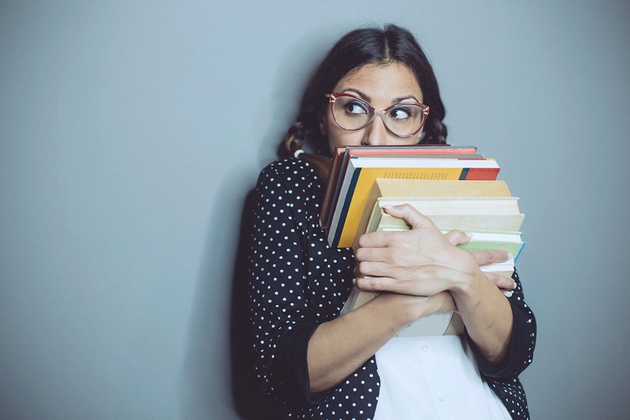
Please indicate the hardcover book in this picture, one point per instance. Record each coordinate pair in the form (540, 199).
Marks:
(455, 187)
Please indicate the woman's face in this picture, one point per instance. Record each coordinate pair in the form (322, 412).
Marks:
(381, 86)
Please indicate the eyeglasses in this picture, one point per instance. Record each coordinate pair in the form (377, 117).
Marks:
(352, 113)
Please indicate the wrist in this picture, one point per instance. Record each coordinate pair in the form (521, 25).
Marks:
(400, 309)
(467, 284)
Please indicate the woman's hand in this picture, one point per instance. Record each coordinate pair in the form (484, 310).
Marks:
(421, 261)
(416, 307)
(425, 262)
(505, 283)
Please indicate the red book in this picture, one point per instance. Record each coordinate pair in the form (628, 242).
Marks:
(342, 155)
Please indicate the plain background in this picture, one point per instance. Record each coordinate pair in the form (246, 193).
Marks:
(131, 132)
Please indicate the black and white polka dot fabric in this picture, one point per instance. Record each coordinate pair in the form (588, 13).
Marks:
(297, 282)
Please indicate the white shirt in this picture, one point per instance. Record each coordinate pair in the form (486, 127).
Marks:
(433, 377)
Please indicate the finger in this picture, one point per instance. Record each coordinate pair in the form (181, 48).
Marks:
(457, 237)
(374, 254)
(489, 257)
(371, 269)
(412, 216)
(384, 284)
(502, 282)
(379, 239)
(423, 281)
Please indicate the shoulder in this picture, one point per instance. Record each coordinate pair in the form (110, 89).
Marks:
(289, 173)
(288, 166)
(291, 184)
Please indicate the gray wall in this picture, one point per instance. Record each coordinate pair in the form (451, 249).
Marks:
(130, 133)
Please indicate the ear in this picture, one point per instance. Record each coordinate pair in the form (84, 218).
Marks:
(323, 123)
(420, 136)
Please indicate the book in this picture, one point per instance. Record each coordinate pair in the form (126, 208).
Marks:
(341, 155)
(361, 173)
(483, 214)
(455, 191)
(470, 213)
(401, 188)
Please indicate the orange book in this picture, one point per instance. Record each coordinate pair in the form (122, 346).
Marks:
(342, 155)
(361, 173)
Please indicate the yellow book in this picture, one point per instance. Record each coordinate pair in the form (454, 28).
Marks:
(361, 174)
(402, 188)
(483, 208)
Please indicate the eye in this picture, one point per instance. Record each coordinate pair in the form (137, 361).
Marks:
(400, 113)
(356, 108)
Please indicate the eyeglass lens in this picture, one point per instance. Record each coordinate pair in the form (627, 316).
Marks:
(401, 119)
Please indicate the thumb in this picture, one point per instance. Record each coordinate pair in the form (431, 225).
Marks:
(457, 237)
(409, 214)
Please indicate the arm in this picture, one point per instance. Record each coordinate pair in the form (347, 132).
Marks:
(423, 262)
(299, 351)
(341, 346)
(520, 351)
(280, 320)
(297, 288)
(300, 347)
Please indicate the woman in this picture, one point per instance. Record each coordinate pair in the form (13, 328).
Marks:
(321, 365)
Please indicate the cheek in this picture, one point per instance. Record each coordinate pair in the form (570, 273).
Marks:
(339, 137)
(397, 141)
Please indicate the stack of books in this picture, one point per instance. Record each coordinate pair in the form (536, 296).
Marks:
(456, 187)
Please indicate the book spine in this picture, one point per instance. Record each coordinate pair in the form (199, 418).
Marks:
(331, 189)
(336, 190)
(336, 230)
(348, 221)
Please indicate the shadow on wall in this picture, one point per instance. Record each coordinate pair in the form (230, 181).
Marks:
(206, 370)
(297, 66)
(249, 400)
(218, 339)
(220, 345)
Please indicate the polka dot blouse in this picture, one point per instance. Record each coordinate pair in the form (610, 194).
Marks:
(298, 282)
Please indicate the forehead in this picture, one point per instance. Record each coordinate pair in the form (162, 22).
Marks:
(382, 81)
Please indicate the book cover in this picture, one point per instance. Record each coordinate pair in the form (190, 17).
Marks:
(449, 322)
(456, 189)
(342, 155)
(361, 174)
(388, 187)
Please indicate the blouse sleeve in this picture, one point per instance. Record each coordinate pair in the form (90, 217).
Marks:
(522, 341)
(278, 306)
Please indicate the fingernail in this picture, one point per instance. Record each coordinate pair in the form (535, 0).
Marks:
(510, 256)
(508, 294)
(514, 287)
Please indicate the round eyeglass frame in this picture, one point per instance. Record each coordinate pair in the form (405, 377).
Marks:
(332, 97)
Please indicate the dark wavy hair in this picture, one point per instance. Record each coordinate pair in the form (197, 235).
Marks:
(354, 50)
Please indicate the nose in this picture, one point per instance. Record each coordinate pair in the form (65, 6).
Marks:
(375, 133)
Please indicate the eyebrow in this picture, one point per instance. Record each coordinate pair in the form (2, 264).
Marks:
(367, 98)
